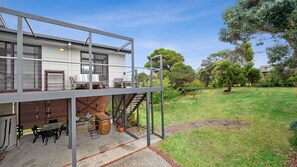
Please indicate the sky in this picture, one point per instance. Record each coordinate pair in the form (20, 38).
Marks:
(190, 27)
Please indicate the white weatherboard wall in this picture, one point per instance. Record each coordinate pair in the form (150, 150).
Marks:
(50, 52)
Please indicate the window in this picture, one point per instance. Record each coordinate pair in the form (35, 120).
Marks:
(31, 69)
(96, 69)
(8, 68)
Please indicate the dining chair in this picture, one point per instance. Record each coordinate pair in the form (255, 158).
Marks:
(36, 133)
(51, 133)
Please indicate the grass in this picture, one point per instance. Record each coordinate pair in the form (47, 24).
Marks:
(264, 143)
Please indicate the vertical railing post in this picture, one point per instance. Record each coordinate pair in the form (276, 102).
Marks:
(132, 63)
(90, 61)
(73, 130)
(69, 123)
(161, 71)
(125, 112)
(148, 119)
(152, 112)
(151, 72)
(112, 107)
(136, 79)
(162, 114)
(20, 55)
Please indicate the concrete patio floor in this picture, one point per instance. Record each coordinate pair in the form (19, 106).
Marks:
(112, 149)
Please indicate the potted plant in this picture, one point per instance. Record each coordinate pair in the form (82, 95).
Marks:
(121, 128)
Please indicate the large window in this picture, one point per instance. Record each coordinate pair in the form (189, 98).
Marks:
(96, 69)
(8, 67)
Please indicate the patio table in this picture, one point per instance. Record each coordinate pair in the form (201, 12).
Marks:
(51, 127)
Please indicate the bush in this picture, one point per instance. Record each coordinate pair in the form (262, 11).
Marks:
(293, 125)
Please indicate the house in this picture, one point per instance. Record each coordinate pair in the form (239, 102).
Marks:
(264, 70)
(44, 77)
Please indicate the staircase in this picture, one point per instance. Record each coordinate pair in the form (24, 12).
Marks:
(132, 103)
(135, 103)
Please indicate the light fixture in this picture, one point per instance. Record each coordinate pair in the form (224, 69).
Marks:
(61, 49)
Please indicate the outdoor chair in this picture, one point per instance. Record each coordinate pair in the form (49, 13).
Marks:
(20, 130)
(74, 85)
(119, 83)
(65, 128)
(48, 134)
(36, 133)
(52, 121)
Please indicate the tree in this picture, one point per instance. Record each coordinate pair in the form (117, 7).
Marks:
(228, 73)
(142, 77)
(251, 19)
(181, 75)
(170, 57)
(204, 76)
(253, 75)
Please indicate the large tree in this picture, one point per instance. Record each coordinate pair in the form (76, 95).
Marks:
(228, 73)
(170, 57)
(252, 19)
(181, 75)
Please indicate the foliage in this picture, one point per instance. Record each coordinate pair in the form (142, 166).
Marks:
(181, 75)
(250, 19)
(170, 57)
(293, 125)
(253, 75)
(196, 84)
(204, 76)
(142, 77)
(169, 92)
(228, 73)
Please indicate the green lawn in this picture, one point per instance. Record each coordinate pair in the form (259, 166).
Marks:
(264, 143)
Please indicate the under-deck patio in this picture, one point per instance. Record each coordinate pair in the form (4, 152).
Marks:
(90, 150)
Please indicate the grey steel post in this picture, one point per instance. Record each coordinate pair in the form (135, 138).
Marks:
(148, 137)
(161, 70)
(151, 72)
(132, 63)
(73, 130)
(136, 79)
(137, 116)
(152, 112)
(20, 55)
(125, 112)
(69, 123)
(162, 114)
(112, 107)
(90, 61)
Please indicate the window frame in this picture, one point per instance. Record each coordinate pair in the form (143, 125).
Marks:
(94, 61)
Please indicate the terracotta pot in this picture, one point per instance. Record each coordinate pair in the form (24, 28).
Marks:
(121, 128)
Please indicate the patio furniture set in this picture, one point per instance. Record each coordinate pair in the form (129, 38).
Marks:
(52, 129)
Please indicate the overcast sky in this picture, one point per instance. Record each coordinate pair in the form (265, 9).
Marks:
(189, 27)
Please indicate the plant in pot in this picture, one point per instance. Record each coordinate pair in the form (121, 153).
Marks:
(121, 128)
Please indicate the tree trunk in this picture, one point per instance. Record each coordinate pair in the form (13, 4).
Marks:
(229, 87)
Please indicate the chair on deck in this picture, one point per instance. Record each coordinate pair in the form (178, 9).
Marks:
(74, 85)
(119, 83)
(36, 133)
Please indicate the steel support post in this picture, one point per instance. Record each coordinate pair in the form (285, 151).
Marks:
(112, 108)
(125, 112)
(136, 79)
(132, 64)
(151, 73)
(162, 114)
(20, 55)
(73, 130)
(90, 61)
(152, 112)
(137, 110)
(148, 137)
(69, 123)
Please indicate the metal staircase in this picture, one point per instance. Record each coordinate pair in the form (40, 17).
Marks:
(132, 102)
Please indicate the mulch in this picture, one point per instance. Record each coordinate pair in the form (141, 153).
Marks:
(194, 125)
